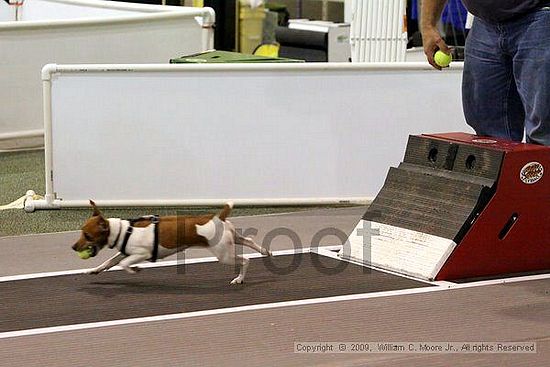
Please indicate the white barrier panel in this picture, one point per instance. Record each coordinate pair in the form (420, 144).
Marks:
(141, 34)
(7, 12)
(257, 134)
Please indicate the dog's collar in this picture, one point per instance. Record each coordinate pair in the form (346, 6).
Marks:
(117, 236)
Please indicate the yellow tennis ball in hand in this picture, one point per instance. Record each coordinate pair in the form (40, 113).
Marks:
(442, 59)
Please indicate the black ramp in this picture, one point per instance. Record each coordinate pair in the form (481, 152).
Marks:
(74, 299)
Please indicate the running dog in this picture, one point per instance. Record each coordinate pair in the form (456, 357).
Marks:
(151, 238)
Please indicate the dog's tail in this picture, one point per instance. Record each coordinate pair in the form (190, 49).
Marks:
(226, 210)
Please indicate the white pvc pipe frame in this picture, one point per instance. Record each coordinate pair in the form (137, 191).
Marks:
(206, 13)
(161, 12)
(51, 202)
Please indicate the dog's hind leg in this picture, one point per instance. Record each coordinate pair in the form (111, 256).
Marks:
(226, 255)
(243, 262)
(249, 242)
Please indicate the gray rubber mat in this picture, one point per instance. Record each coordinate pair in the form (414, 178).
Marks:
(73, 299)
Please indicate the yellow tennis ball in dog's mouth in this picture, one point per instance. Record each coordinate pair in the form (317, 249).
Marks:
(442, 59)
(85, 254)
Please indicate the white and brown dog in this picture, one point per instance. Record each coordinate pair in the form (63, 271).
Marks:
(152, 238)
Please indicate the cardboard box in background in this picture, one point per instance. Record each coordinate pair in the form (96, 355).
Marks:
(313, 9)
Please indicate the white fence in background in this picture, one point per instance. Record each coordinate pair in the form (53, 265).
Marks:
(378, 30)
(257, 134)
(84, 31)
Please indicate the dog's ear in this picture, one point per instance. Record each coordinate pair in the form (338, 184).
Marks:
(96, 210)
(103, 224)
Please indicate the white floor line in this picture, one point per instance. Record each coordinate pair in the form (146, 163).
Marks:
(482, 283)
(158, 264)
(323, 250)
(178, 316)
(443, 283)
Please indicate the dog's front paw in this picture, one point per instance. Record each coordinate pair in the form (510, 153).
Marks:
(237, 280)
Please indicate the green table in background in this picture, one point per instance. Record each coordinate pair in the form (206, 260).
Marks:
(227, 57)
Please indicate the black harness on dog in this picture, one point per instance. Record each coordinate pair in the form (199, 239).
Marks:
(154, 220)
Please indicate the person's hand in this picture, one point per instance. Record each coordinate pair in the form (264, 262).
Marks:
(432, 41)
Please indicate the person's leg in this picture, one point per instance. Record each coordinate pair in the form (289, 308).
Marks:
(530, 37)
(491, 103)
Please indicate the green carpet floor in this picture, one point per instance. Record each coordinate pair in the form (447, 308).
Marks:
(22, 171)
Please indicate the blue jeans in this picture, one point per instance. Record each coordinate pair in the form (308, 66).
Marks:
(506, 81)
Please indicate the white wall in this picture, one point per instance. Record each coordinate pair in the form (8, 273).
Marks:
(27, 46)
(245, 132)
(6, 12)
